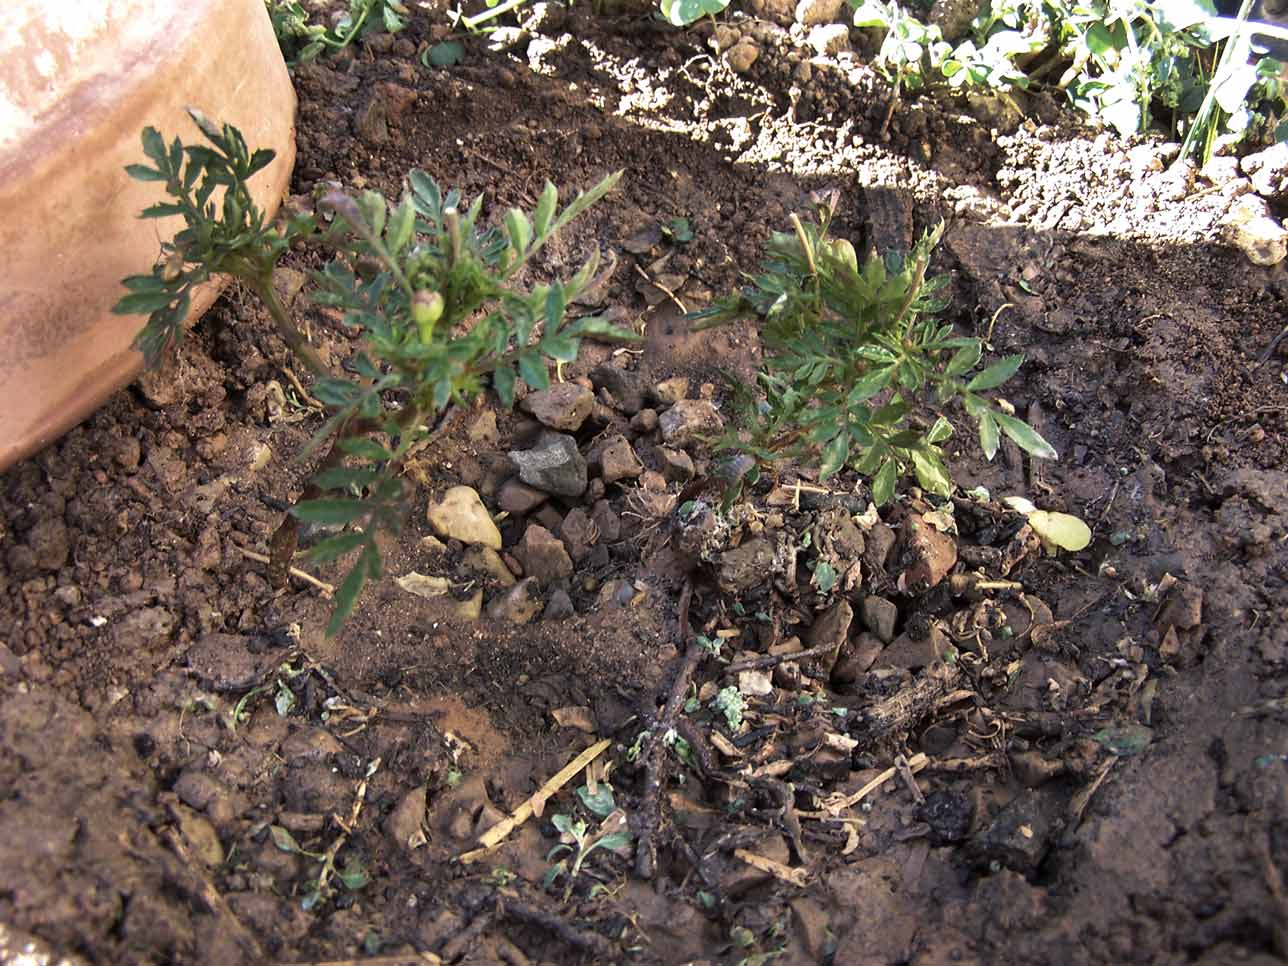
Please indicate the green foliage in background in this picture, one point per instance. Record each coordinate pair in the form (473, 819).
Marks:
(302, 40)
(1131, 64)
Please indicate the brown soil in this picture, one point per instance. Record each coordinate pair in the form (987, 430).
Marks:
(137, 824)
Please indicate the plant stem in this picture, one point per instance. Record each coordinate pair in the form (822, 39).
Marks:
(262, 286)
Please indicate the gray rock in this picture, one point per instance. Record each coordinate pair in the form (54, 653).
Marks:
(879, 616)
(564, 406)
(559, 607)
(626, 388)
(910, 652)
(1018, 838)
(543, 555)
(1250, 227)
(518, 605)
(689, 420)
(223, 663)
(856, 657)
(554, 465)
(644, 421)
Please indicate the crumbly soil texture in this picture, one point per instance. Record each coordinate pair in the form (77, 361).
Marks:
(985, 752)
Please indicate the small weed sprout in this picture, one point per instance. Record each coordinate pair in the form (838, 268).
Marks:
(430, 292)
(576, 845)
(853, 357)
(730, 703)
(302, 41)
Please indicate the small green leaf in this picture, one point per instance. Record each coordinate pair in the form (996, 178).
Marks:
(329, 512)
(545, 209)
(996, 374)
(343, 477)
(931, 473)
(367, 449)
(554, 311)
(284, 840)
(834, 455)
(614, 841)
(939, 432)
(142, 303)
(503, 382)
(162, 209)
(988, 438)
(335, 547)
(519, 230)
(965, 359)
(601, 803)
(869, 385)
(347, 594)
(141, 172)
(561, 348)
(1025, 436)
(883, 483)
(533, 370)
(824, 577)
(447, 53)
(354, 875)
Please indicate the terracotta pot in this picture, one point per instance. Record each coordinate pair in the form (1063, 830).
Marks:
(78, 83)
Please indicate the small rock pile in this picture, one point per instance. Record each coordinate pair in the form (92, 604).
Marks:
(585, 444)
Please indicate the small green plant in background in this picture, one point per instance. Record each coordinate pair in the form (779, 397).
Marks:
(855, 358)
(1128, 63)
(302, 40)
(428, 289)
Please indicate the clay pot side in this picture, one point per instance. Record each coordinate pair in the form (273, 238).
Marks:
(78, 83)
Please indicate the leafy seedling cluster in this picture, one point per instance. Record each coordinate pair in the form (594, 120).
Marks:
(1129, 65)
(431, 294)
(302, 41)
(855, 359)
(578, 840)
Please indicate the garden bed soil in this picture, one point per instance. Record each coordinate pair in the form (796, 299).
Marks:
(1106, 778)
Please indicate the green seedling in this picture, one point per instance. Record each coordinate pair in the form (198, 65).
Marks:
(1128, 64)
(302, 41)
(577, 843)
(429, 292)
(730, 703)
(854, 357)
(682, 13)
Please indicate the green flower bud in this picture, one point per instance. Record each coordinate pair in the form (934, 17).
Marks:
(426, 310)
(845, 251)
